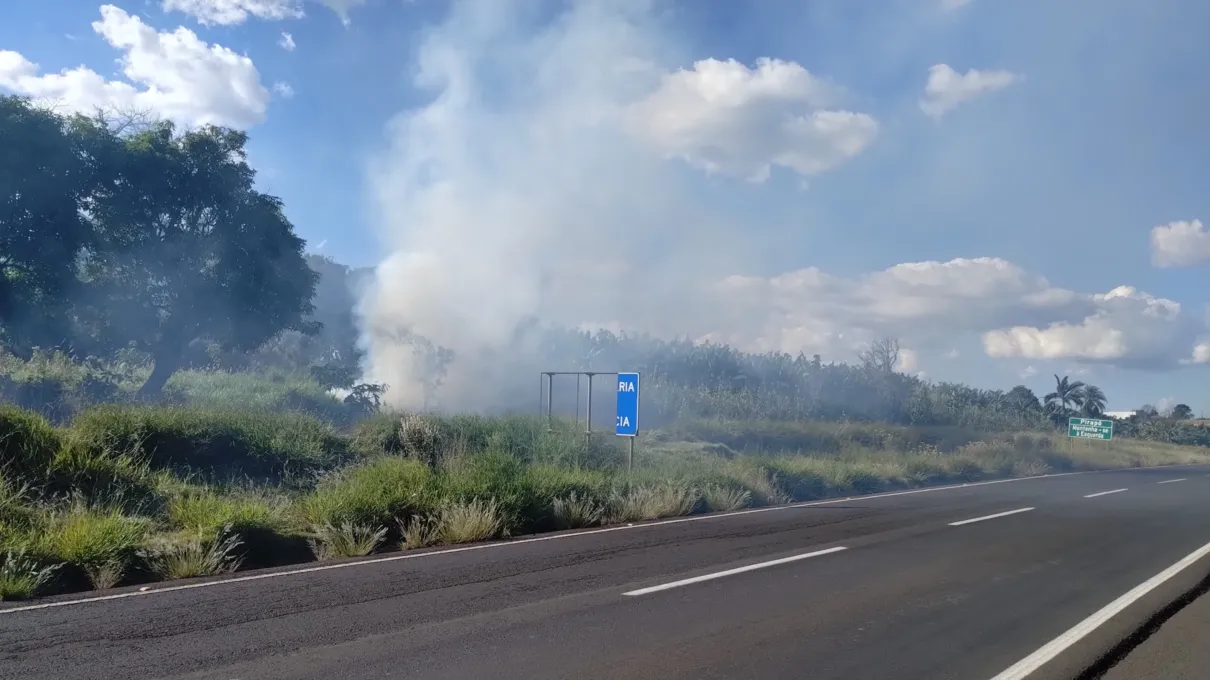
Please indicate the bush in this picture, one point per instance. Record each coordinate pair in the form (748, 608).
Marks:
(377, 493)
(28, 444)
(105, 478)
(262, 524)
(84, 537)
(189, 555)
(213, 443)
(346, 540)
(470, 521)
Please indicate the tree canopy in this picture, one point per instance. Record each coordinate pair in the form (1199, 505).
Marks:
(148, 239)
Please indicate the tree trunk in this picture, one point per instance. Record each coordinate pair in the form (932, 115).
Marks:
(166, 363)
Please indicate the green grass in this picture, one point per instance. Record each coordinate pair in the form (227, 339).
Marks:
(215, 443)
(125, 494)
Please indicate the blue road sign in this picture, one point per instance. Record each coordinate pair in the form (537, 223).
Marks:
(628, 405)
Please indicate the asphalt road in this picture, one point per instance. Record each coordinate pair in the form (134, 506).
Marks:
(887, 587)
(1176, 651)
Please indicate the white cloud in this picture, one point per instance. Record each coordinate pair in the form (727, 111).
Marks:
(954, 4)
(725, 117)
(232, 12)
(1180, 244)
(1028, 372)
(909, 360)
(173, 74)
(1127, 327)
(1201, 353)
(283, 90)
(286, 42)
(951, 354)
(926, 302)
(946, 88)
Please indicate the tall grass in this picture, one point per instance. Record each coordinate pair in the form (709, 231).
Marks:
(124, 494)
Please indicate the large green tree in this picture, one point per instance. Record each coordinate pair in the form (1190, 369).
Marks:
(50, 170)
(190, 249)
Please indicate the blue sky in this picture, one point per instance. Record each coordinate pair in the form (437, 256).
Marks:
(504, 159)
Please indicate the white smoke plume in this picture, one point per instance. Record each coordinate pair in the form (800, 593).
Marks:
(527, 190)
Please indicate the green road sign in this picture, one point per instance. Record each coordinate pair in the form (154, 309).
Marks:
(1090, 428)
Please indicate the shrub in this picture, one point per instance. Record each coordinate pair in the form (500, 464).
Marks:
(522, 504)
(86, 538)
(720, 498)
(419, 531)
(576, 511)
(372, 494)
(28, 444)
(346, 540)
(652, 501)
(469, 521)
(103, 477)
(188, 555)
(263, 524)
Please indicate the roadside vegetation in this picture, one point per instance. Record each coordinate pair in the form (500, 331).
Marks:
(180, 394)
(129, 494)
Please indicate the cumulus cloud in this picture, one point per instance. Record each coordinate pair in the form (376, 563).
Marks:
(283, 90)
(725, 117)
(927, 303)
(947, 89)
(1201, 353)
(286, 42)
(1128, 327)
(1180, 244)
(232, 12)
(173, 74)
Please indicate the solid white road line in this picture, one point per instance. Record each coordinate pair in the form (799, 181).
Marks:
(1104, 493)
(732, 572)
(987, 517)
(152, 590)
(1055, 647)
(1171, 481)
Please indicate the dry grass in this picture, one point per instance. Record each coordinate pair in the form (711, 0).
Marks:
(720, 498)
(22, 577)
(346, 540)
(466, 522)
(106, 575)
(419, 532)
(576, 511)
(191, 556)
(653, 501)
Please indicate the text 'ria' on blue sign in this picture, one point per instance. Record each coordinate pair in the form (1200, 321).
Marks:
(628, 405)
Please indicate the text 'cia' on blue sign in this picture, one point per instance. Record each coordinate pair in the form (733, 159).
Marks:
(628, 405)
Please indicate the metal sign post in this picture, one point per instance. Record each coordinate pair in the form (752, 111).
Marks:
(628, 413)
(627, 416)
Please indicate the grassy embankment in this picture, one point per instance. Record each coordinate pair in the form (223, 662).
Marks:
(122, 495)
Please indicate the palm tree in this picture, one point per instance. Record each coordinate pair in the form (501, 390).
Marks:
(1093, 401)
(1068, 393)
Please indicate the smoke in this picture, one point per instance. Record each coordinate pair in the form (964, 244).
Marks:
(518, 195)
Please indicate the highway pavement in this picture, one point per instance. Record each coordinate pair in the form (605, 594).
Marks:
(1037, 578)
(1177, 650)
